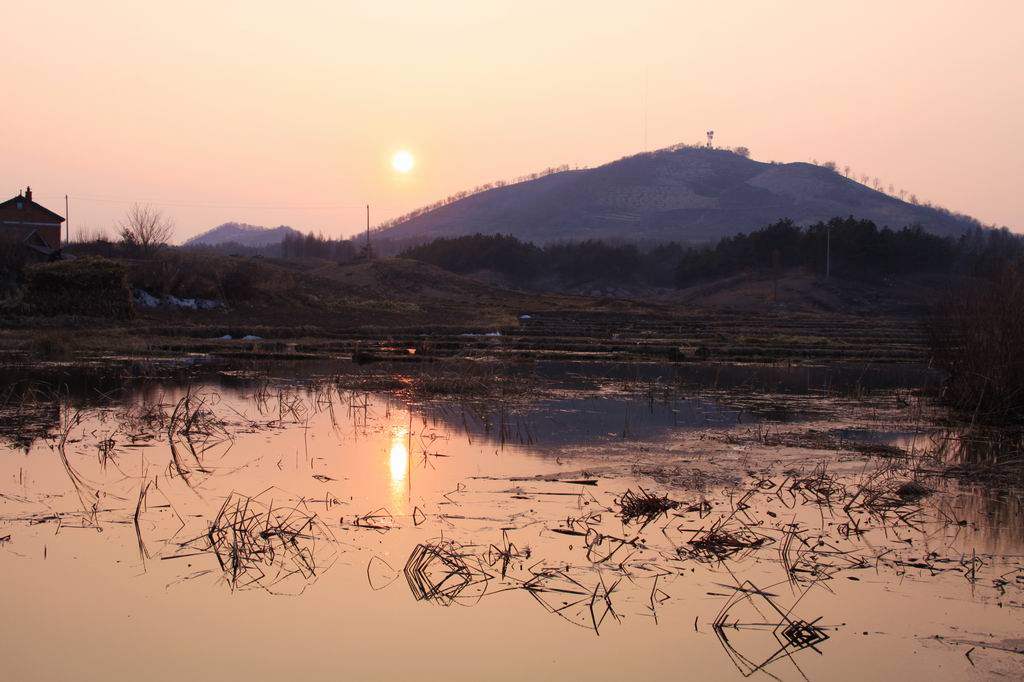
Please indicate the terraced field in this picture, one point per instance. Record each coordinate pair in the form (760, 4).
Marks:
(600, 336)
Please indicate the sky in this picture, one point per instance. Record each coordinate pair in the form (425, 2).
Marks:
(289, 113)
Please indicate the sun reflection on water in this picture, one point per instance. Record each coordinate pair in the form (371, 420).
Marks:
(399, 461)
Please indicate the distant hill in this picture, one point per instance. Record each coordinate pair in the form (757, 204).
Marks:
(241, 233)
(678, 194)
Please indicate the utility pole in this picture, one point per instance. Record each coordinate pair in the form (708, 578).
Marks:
(367, 230)
(67, 222)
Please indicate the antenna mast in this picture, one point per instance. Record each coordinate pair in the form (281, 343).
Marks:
(647, 83)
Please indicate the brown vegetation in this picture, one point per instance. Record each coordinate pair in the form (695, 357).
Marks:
(94, 287)
(977, 335)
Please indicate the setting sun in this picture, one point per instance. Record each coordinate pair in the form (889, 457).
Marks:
(402, 161)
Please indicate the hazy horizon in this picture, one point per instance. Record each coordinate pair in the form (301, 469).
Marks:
(271, 115)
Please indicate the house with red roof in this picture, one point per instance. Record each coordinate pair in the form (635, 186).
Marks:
(37, 228)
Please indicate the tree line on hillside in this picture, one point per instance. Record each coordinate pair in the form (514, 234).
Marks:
(847, 247)
(844, 246)
(311, 245)
(572, 263)
(317, 246)
(297, 245)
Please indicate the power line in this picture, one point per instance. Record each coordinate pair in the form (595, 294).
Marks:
(182, 204)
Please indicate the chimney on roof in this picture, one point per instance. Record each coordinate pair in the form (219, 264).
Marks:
(28, 194)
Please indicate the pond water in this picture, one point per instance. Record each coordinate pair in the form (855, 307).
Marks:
(604, 523)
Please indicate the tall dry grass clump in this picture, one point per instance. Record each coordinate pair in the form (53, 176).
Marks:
(94, 287)
(978, 338)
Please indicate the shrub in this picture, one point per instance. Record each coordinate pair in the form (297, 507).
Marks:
(977, 336)
(93, 287)
(177, 274)
(240, 283)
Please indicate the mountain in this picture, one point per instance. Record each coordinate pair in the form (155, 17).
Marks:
(686, 194)
(241, 233)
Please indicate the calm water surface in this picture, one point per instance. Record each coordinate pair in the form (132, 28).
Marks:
(259, 527)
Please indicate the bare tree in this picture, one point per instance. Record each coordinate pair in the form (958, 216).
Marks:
(742, 151)
(145, 227)
(88, 234)
(830, 165)
(846, 171)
